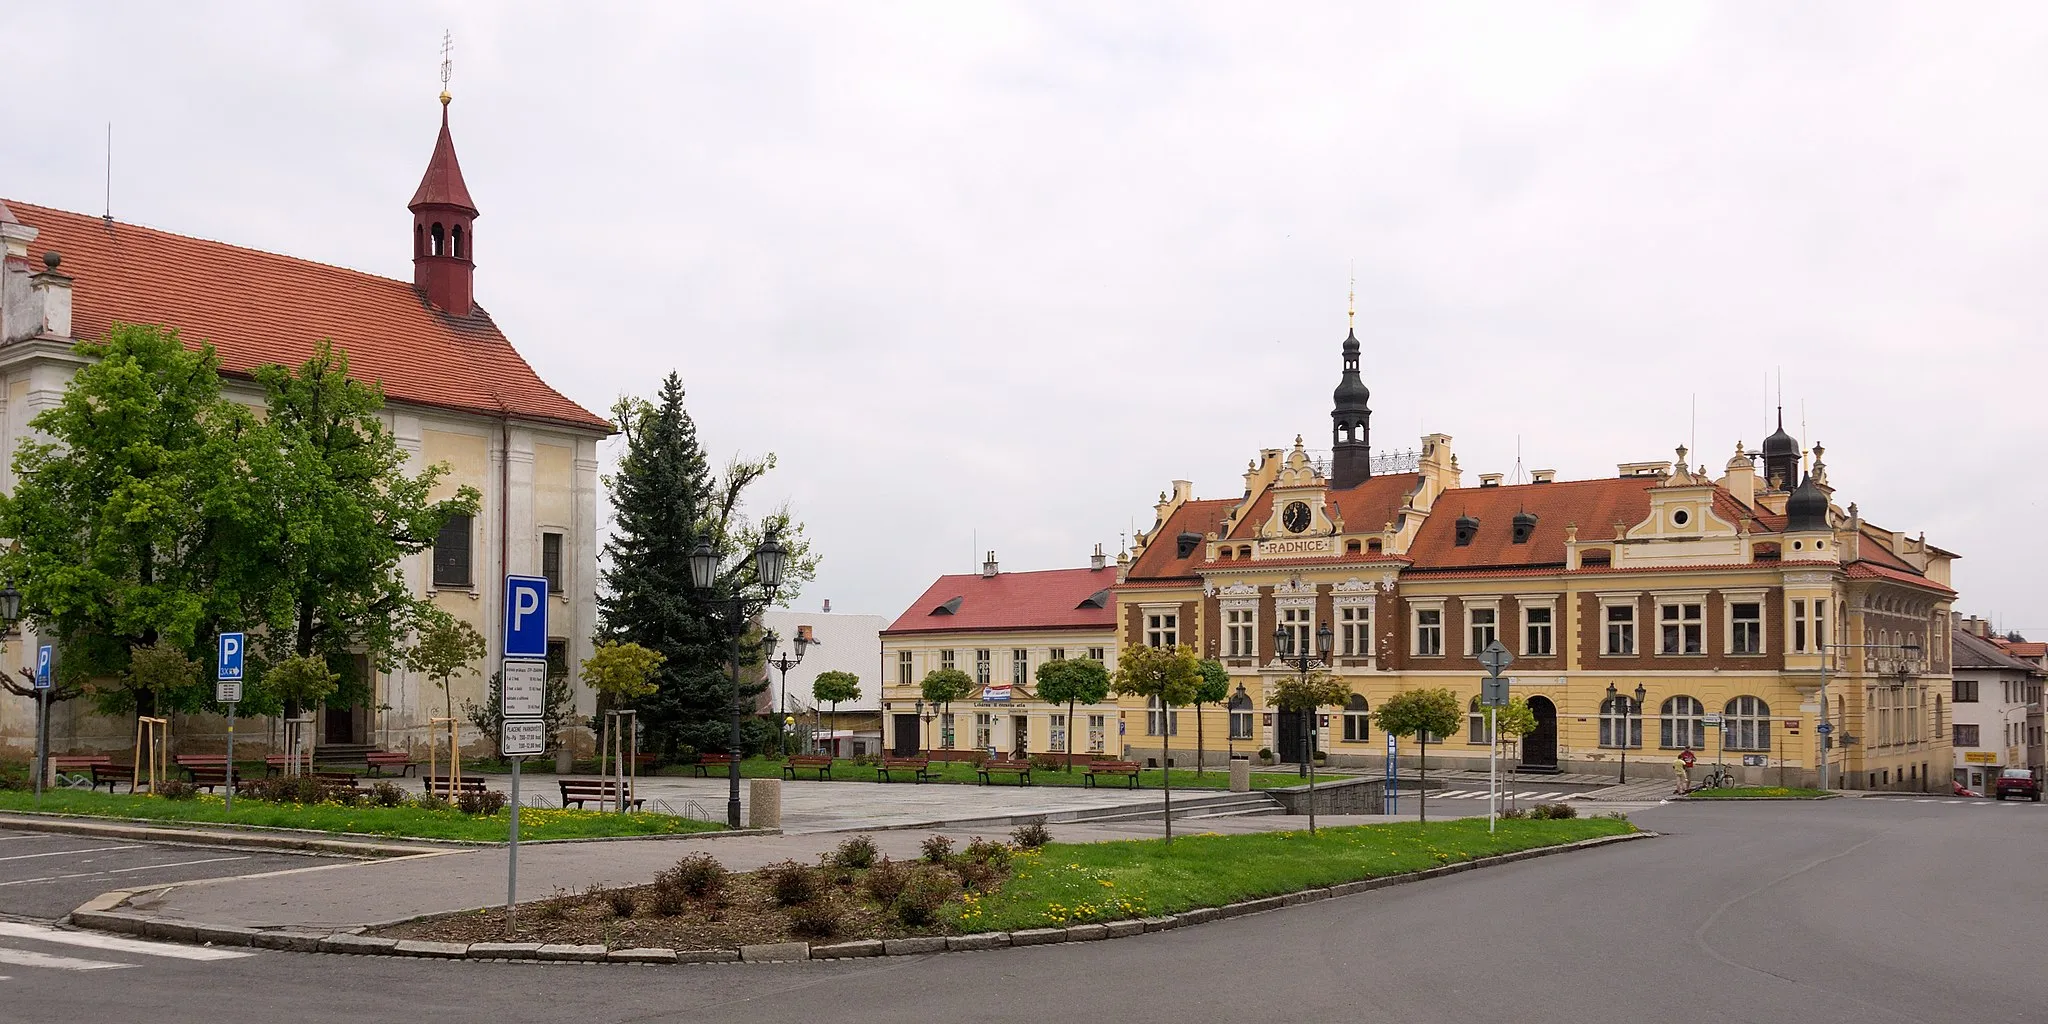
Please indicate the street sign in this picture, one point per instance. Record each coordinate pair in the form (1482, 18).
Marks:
(1824, 728)
(227, 691)
(526, 617)
(1493, 691)
(231, 658)
(1710, 719)
(43, 667)
(523, 736)
(1390, 744)
(525, 690)
(1495, 658)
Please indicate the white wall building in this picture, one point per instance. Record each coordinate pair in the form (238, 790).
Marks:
(1997, 708)
(838, 642)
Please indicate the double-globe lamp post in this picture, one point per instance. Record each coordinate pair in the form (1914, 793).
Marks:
(1283, 642)
(1630, 714)
(768, 562)
(782, 664)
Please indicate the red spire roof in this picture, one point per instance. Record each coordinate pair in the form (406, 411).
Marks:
(442, 185)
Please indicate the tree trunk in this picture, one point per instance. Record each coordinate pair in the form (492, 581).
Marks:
(1199, 751)
(1422, 795)
(1070, 738)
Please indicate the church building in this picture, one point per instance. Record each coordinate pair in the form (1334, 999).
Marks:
(457, 393)
(1761, 621)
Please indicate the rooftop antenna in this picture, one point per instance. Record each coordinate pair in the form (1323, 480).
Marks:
(107, 214)
(1351, 301)
(1518, 460)
(447, 62)
(1802, 430)
(1694, 444)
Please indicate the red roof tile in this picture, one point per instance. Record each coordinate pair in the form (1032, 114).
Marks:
(257, 308)
(1593, 505)
(1162, 558)
(1868, 571)
(1047, 599)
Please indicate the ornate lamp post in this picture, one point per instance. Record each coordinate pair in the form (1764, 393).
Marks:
(1283, 644)
(1240, 703)
(783, 664)
(1630, 714)
(769, 559)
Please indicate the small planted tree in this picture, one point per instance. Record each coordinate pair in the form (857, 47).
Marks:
(1168, 677)
(1213, 689)
(301, 682)
(1072, 681)
(1512, 723)
(833, 687)
(1305, 694)
(942, 686)
(445, 646)
(621, 673)
(1420, 713)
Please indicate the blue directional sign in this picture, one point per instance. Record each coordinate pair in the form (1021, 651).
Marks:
(526, 617)
(1824, 728)
(230, 657)
(43, 667)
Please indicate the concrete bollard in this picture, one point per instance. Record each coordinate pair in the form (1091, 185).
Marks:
(1240, 775)
(764, 803)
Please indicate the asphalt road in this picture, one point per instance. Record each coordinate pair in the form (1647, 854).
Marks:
(1848, 910)
(43, 876)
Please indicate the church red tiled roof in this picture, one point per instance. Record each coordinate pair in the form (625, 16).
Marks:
(258, 307)
(1047, 599)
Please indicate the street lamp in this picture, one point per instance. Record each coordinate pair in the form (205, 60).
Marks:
(1240, 703)
(769, 559)
(10, 603)
(1628, 712)
(783, 664)
(1283, 642)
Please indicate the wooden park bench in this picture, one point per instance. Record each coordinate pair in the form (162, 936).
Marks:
(376, 762)
(444, 786)
(820, 763)
(989, 769)
(208, 771)
(918, 768)
(274, 764)
(1098, 769)
(711, 759)
(604, 791)
(89, 770)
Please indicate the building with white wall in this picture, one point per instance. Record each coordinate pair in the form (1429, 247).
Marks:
(839, 642)
(1997, 702)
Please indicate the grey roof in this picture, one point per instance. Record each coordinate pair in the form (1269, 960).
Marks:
(1973, 651)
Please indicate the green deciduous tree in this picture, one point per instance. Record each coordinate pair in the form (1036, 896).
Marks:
(1213, 689)
(444, 646)
(623, 672)
(664, 497)
(1072, 681)
(1306, 694)
(1511, 723)
(162, 671)
(1169, 677)
(1422, 713)
(832, 688)
(942, 686)
(301, 681)
(140, 520)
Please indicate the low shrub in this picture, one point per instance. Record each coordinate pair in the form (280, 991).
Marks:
(1559, 810)
(857, 852)
(937, 849)
(618, 900)
(885, 881)
(792, 884)
(16, 775)
(979, 876)
(818, 919)
(176, 789)
(667, 900)
(1266, 754)
(923, 895)
(289, 789)
(431, 802)
(696, 876)
(978, 758)
(982, 851)
(1515, 813)
(556, 906)
(387, 794)
(484, 804)
(1046, 763)
(346, 796)
(1031, 836)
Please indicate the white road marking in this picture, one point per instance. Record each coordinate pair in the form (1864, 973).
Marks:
(1550, 796)
(1456, 794)
(26, 958)
(115, 943)
(119, 871)
(73, 853)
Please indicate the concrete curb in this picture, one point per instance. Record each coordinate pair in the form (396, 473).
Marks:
(102, 913)
(348, 844)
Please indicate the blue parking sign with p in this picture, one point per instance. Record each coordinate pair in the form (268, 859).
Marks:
(43, 667)
(526, 617)
(231, 645)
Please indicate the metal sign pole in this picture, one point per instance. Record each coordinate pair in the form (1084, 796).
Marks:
(512, 853)
(230, 798)
(1492, 766)
(42, 742)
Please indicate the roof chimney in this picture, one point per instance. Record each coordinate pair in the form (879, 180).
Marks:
(988, 568)
(1542, 476)
(1489, 479)
(828, 606)
(1097, 560)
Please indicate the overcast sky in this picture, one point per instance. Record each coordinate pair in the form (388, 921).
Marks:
(993, 275)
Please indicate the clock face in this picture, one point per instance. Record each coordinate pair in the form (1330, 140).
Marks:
(1295, 517)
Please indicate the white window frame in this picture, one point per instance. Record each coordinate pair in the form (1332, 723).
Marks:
(1678, 726)
(1473, 609)
(906, 669)
(1162, 624)
(1698, 623)
(1057, 733)
(984, 730)
(1549, 624)
(949, 658)
(1749, 730)
(1478, 727)
(1729, 599)
(1357, 722)
(1020, 667)
(1152, 718)
(1098, 733)
(1607, 625)
(1415, 628)
(1618, 720)
(1354, 629)
(1240, 627)
(983, 666)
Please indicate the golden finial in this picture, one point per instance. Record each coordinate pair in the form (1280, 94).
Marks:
(1351, 301)
(447, 62)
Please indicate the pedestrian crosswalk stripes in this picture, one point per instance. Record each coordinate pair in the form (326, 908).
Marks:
(90, 951)
(1480, 794)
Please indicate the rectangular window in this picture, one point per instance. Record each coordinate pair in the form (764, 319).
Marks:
(1240, 725)
(981, 671)
(551, 561)
(903, 668)
(1020, 667)
(558, 658)
(948, 660)
(1429, 632)
(1476, 722)
(1485, 628)
(1820, 625)
(1240, 632)
(1056, 654)
(1966, 736)
(1799, 627)
(1357, 727)
(984, 731)
(1354, 630)
(1059, 732)
(1095, 654)
(1300, 625)
(1680, 629)
(1621, 629)
(1746, 619)
(1156, 719)
(1537, 637)
(946, 730)
(1162, 629)
(1098, 729)
(451, 553)
(1966, 691)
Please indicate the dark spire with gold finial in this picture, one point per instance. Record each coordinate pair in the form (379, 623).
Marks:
(443, 218)
(1351, 412)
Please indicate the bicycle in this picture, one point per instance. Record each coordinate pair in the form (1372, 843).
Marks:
(1719, 778)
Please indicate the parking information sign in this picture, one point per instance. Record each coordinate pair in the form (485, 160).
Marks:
(525, 690)
(523, 736)
(228, 690)
(526, 617)
(43, 667)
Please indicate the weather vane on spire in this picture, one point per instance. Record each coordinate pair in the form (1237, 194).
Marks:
(1351, 300)
(447, 62)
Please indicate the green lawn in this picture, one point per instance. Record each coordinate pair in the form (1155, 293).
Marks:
(1758, 792)
(1067, 883)
(400, 822)
(959, 772)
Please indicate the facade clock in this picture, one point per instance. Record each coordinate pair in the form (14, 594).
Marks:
(1296, 517)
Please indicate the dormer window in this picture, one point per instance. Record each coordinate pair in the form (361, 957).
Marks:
(1185, 543)
(1468, 528)
(1525, 524)
(949, 608)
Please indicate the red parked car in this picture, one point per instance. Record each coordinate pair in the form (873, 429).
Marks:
(2018, 782)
